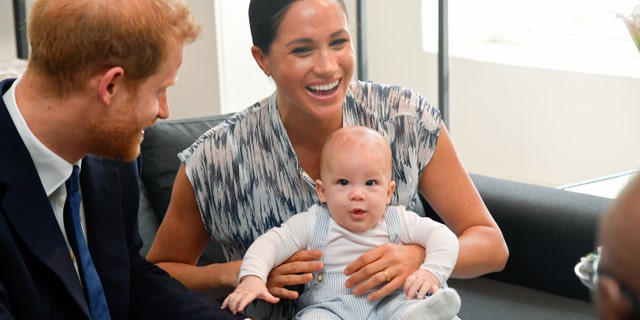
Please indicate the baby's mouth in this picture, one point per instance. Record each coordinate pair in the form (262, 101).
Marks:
(358, 212)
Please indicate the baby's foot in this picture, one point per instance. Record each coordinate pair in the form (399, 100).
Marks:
(442, 305)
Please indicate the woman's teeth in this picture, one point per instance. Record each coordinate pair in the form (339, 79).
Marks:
(325, 87)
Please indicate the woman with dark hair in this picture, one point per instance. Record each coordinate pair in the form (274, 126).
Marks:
(257, 169)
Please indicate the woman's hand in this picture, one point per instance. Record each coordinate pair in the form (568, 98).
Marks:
(420, 284)
(390, 263)
(296, 270)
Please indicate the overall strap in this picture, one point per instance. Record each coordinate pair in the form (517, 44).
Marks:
(319, 239)
(392, 219)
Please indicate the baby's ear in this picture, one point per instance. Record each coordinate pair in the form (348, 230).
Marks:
(320, 190)
(392, 188)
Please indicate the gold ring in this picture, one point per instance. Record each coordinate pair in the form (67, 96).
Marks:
(387, 275)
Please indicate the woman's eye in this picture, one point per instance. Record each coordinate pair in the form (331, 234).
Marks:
(343, 182)
(338, 42)
(301, 50)
(370, 182)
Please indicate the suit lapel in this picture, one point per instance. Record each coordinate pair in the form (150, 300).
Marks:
(28, 209)
(32, 217)
(103, 205)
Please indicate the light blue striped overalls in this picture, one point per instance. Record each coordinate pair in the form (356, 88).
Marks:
(326, 296)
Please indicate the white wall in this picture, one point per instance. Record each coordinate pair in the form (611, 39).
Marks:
(242, 83)
(197, 91)
(7, 35)
(544, 126)
(198, 88)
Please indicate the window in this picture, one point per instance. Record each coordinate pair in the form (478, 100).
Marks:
(579, 35)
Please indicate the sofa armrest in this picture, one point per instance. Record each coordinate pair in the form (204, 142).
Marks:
(546, 229)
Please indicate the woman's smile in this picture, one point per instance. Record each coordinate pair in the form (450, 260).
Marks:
(324, 89)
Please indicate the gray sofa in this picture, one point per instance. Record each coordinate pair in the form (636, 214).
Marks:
(547, 231)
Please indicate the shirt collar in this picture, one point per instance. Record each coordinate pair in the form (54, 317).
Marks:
(52, 169)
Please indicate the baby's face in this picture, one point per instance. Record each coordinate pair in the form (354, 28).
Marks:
(357, 187)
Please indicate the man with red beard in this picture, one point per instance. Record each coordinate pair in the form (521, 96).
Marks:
(97, 76)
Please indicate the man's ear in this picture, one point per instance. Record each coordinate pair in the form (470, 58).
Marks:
(109, 83)
(320, 190)
(610, 301)
(261, 59)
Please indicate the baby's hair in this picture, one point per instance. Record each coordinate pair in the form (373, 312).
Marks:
(356, 139)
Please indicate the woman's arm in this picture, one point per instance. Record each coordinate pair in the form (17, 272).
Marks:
(180, 240)
(182, 237)
(449, 190)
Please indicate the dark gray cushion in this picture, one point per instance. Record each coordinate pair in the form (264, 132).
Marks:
(159, 150)
(486, 299)
(547, 231)
(147, 222)
(159, 166)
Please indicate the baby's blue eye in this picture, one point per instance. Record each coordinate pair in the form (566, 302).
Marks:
(370, 182)
(343, 182)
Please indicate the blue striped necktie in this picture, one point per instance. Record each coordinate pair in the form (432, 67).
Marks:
(93, 287)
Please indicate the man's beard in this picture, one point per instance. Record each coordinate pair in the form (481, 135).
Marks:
(119, 137)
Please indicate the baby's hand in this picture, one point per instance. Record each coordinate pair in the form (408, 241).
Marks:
(421, 283)
(250, 288)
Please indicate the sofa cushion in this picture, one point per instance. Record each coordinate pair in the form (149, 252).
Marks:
(488, 299)
(159, 165)
(160, 149)
(547, 231)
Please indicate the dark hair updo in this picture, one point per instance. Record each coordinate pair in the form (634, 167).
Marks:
(265, 17)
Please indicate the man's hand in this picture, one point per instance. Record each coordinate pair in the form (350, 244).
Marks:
(390, 263)
(296, 270)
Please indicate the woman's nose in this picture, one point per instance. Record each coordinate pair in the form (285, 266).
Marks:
(326, 64)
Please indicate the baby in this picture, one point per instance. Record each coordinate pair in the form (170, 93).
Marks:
(355, 216)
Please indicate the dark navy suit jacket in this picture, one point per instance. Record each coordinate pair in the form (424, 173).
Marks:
(37, 276)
